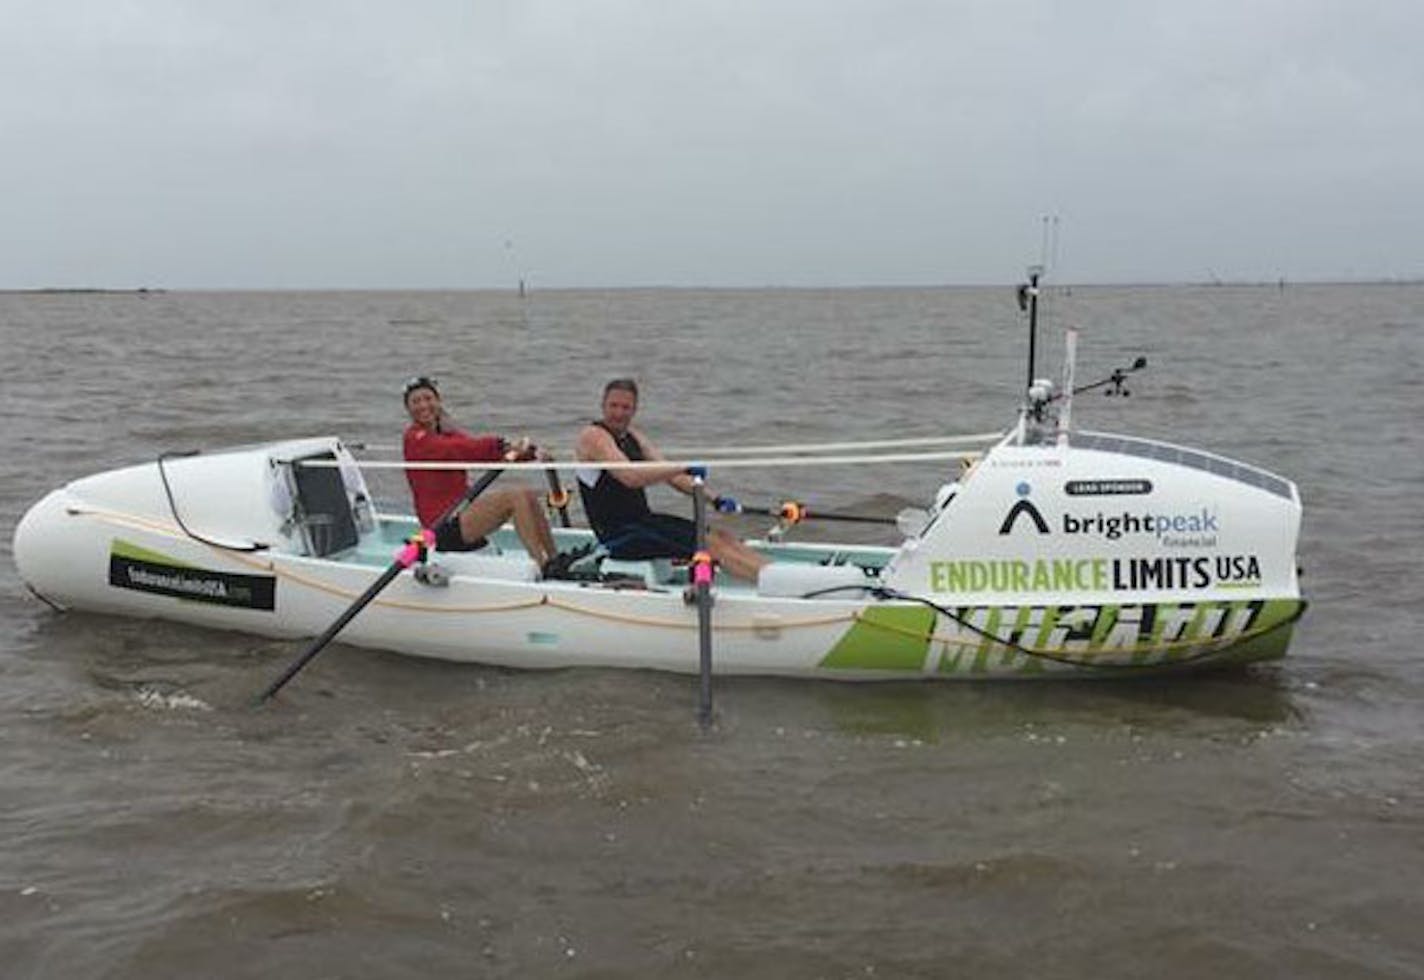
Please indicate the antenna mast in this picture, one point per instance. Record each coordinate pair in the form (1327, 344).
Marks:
(1029, 294)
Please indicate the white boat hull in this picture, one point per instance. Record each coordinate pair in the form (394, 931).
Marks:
(112, 543)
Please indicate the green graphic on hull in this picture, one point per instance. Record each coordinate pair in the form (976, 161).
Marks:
(1271, 632)
(119, 548)
(1022, 640)
(885, 638)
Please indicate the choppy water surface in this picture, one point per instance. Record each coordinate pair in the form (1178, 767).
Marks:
(394, 817)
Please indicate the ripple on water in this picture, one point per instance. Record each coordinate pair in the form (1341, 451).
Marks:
(391, 817)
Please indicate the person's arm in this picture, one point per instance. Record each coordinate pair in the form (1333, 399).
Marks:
(595, 445)
(463, 446)
(454, 446)
(679, 481)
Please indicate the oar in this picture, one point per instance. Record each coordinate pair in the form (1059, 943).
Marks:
(702, 575)
(406, 557)
(558, 497)
(794, 513)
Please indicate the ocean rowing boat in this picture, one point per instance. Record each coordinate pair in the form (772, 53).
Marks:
(1052, 552)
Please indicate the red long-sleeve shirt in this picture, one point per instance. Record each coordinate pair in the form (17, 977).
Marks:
(436, 490)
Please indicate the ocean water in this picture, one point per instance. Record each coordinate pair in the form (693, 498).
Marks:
(400, 818)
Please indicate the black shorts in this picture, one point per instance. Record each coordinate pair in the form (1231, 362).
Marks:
(655, 536)
(449, 538)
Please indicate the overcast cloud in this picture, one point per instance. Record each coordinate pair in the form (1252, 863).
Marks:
(717, 142)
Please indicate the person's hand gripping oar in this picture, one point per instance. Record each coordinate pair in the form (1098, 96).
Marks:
(412, 552)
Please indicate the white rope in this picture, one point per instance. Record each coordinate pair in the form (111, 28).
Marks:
(812, 447)
(711, 464)
(790, 447)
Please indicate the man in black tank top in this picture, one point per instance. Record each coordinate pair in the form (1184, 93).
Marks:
(617, 505)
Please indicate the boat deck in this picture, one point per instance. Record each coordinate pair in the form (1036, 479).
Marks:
(505, 558)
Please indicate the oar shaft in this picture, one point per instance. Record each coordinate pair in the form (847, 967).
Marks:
(404, 560)
(849, 518)
(702, 573)
(330, 632)
(815, 515)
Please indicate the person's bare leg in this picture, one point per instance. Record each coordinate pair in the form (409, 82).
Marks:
(486, 514)
(735, 557)
(533, 526)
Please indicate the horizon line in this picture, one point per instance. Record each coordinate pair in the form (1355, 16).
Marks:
(525, 288)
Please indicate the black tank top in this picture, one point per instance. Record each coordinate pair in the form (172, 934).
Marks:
(608, 503)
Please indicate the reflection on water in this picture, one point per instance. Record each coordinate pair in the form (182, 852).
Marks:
(949, 712)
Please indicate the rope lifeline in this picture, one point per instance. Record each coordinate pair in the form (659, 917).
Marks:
(267, 565)
(173, 508)
(1140, 651)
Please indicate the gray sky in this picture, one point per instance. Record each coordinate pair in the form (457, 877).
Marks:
(433, 143)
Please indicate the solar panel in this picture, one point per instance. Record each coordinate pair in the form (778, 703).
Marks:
(1148, 449)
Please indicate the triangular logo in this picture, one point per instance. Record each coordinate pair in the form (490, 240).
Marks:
(1023, 507)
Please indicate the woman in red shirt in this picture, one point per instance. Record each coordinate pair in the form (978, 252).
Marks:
(430, 438)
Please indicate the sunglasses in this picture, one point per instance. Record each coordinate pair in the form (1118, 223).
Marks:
(419, 381)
